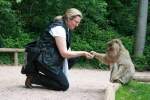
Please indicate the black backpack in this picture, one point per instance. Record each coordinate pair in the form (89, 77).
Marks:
(31, 52)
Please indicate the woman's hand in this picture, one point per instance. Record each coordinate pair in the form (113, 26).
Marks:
(62, 47)
(88, 55)
(93, 53)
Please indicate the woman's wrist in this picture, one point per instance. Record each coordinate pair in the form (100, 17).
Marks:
(83, 53)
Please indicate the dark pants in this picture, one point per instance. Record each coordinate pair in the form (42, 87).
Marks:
(48, 77)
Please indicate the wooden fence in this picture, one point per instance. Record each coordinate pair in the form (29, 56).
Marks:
(13, 50)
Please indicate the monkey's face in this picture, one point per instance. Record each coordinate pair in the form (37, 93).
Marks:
(113, 48)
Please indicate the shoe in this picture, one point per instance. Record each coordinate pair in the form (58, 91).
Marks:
(28, 83)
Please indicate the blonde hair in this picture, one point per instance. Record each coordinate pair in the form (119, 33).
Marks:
(58, 18)
(72, 13)
(69, 14)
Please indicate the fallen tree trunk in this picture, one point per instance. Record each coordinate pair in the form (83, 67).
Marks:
(142, 78)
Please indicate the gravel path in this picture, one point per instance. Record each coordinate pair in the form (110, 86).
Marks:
(84, 85)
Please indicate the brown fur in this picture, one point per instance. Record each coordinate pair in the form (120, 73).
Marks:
(117, 56)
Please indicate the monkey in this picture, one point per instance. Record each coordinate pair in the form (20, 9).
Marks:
(119, 60)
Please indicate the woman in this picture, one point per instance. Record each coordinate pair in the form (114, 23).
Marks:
(47, 59)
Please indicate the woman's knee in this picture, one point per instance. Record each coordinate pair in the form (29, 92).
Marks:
(65, 87)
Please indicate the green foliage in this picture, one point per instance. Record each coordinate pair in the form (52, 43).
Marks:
(21, 58)
(6, 58)
(133, 91)
(94, 11)
(122, 15)
(18, 41)
(93, 40)
(9, 23)
(96, 41)
(36, 14)
(23, 20)
(128, 42)
(148, 20)
(147, 50)
(1, 42)
(140, 63)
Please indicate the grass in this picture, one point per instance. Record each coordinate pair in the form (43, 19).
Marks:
(134, 91)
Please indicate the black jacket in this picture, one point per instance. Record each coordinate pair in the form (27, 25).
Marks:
(44, 51)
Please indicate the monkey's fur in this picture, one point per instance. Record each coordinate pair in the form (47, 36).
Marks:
(118, 58)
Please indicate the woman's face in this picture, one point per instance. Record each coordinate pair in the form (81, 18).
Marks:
(73, 23)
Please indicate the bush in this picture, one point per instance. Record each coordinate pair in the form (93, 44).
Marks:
(140, 63)
(103, 20)
(93, 41)
(9, 24)
(128, 42)
(119, 16)
(11, 41)
(18, 41)
(6, 58)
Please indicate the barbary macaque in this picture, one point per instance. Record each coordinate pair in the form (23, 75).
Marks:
(119, 60)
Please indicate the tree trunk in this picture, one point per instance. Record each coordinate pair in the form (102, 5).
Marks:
(141, 27)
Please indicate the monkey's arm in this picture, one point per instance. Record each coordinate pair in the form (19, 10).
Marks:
(100, 56)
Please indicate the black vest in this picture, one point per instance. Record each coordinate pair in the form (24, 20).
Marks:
(49, 55)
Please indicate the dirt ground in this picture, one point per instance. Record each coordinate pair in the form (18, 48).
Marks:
(84, 85)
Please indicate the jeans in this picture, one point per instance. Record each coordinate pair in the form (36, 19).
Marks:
(50, 79)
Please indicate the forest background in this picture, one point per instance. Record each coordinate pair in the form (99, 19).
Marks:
(22, 21)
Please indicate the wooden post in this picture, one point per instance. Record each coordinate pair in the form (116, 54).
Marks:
(15, 51)
(16, 58)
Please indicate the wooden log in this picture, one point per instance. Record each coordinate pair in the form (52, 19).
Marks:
(11, 50)
(142, 78)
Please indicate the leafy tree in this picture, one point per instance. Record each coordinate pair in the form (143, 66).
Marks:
(9, 23)
(122, 15)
